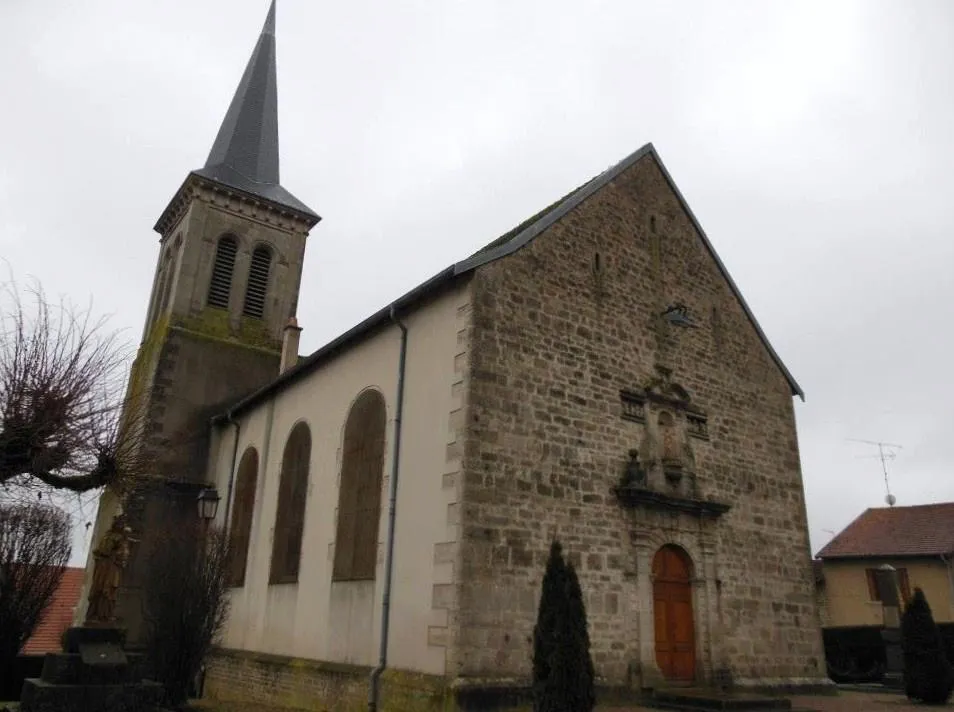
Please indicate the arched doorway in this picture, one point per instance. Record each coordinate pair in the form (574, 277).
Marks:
(674, 624)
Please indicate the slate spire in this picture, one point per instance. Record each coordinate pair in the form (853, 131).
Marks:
(245, 152)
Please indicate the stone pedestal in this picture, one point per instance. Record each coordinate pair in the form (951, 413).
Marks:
(894, 658)
(95, 674)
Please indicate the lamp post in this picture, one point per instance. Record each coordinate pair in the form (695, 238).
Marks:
(208, 501)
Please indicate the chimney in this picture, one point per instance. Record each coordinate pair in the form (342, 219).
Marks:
(292, 334)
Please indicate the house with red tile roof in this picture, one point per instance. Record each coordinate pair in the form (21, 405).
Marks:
(58, 616)
(918, 541)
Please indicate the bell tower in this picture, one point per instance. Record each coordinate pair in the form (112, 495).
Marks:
(231, 248)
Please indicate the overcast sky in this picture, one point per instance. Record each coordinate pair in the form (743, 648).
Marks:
(812, 139)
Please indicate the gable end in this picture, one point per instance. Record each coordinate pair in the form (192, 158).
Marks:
(547, 218)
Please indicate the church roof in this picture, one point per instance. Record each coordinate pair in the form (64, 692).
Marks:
(245, 153)
(504, 245)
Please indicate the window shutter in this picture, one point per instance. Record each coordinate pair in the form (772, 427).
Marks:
(257, 287)
(870, 574)
(220, 286)
(290, 515)
(243, 509)
(904, 585)
(359, 497)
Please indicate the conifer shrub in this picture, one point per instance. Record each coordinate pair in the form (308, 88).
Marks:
(928, 676)
(563, 676)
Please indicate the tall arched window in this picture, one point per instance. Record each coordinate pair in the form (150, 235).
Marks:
(243, 507)
(257, 282)
(220, 286)
(359, 496)
(170, 270)
(290, 516)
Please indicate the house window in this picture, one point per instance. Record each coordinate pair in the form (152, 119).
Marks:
(257, 282)
(220, 286)
(290, 516)
(903, 584)
(243, 507)
(359, 496)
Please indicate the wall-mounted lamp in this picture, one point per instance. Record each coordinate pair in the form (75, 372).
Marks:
(208, 504)
(678, 315)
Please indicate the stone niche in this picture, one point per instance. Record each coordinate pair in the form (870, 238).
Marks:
(660, 471)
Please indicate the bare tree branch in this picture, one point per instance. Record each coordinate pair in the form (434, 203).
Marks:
(34, 551)
(63, 423)
(186, 603)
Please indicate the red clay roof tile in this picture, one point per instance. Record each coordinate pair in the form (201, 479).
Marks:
(58, 616)
(922, 530)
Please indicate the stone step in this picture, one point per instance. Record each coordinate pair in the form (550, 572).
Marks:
(71, 669)
(716, 701)
(41, 696)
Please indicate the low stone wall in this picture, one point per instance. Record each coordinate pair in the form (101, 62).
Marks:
(244, 676)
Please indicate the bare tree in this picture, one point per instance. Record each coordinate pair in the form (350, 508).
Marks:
(186, 604)
(34, 551)
(61, 397)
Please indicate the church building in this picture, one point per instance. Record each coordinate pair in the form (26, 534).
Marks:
(593, 375)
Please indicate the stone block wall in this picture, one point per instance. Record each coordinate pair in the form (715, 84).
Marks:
(299, 684)
(559, 329)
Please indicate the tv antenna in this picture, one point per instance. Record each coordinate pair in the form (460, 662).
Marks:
(886, 451)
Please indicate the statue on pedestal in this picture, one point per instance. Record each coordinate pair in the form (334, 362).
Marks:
(111, 557)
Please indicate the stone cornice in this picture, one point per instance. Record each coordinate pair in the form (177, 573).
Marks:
(633, 496)
(232, 200)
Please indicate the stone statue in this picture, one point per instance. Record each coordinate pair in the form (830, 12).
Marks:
(671, 451)
(111, 557)
(635, 475)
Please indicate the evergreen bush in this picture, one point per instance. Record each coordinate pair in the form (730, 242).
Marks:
(928, 676)
(563, 676)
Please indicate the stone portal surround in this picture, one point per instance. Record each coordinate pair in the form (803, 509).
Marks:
(650, 532)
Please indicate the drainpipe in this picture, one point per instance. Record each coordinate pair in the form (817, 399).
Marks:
(374, 688)
(228, 496)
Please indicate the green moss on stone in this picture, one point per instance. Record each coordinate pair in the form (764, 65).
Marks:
(214, 324)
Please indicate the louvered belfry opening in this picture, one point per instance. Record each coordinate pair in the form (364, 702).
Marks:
(359, 496)
(290, 517)
(257, 282)
(243, 508)
(220, 286)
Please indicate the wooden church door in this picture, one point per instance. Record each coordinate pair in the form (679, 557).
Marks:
(672, 603)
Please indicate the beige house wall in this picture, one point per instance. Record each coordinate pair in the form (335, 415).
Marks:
(847, 602)
(340, 622)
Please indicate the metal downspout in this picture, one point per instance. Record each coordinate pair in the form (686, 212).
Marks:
(374, 688)
(228, 495)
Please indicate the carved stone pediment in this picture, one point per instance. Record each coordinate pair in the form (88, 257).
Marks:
(661, 471)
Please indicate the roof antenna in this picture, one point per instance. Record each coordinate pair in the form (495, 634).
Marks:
(886, 451)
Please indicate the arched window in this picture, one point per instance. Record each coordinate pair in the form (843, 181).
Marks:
(243, 507)
(359, 496)
(290, 516)
(170, 270)
(257, 282)
(220, 286)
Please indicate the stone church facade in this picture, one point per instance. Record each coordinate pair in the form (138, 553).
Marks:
(593, 375)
